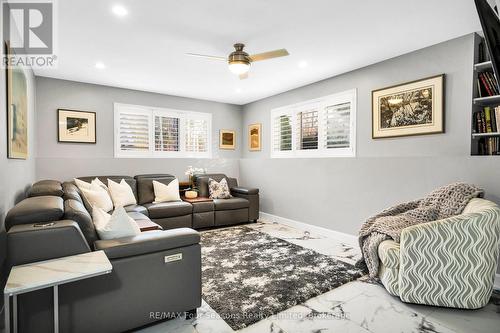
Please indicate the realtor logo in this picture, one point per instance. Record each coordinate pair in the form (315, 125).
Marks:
(28, 26)
(29, 30)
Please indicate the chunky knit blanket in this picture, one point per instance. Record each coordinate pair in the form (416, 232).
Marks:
(441, 203)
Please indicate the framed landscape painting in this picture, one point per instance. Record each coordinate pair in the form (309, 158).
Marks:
(413, 108)
(227, 139)
(76, 126)
(17, 112)
(254, 137)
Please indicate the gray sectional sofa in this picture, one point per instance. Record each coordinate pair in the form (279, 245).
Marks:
(55, 221)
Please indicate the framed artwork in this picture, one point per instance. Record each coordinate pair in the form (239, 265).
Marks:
(17, 111)
(227, 139)
(413, 108)
(254, 137)
(76, 126)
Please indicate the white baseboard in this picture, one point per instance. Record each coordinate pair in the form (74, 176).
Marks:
(350, 239)
(347, 238)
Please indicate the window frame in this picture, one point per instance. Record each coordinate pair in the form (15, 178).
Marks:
(292, 110)
(152, 112)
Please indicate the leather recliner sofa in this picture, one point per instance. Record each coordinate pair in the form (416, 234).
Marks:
(243, 207)
(54, 222)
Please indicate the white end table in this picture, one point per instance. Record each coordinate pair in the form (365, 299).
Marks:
(51, 273)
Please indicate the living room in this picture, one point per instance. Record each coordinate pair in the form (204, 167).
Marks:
(256, 167)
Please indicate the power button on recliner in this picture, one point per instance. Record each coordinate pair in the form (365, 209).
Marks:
(173, 257)
(43, 225)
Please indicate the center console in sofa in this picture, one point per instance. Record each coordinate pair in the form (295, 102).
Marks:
(55, 221)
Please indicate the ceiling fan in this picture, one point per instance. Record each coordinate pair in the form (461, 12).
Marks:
(239, 61)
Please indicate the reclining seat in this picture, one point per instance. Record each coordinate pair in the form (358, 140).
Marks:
(242, 207)
(169, 215)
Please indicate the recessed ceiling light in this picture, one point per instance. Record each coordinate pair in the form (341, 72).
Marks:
(119, 10)
(237, 90)
(99, 65)
(303, 64)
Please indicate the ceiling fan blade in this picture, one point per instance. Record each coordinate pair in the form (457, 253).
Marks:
(206, 56)
(269, 55)
(244, 76)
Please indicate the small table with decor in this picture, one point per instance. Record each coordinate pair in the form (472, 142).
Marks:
(183, 186)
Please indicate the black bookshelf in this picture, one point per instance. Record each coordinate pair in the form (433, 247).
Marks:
(485, 140)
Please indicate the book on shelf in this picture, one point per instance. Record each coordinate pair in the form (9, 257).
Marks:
(492, 81)
(493, 120)
(487, 84)
(497, 118)
(489, 146)
(487, 117)
(487, 120)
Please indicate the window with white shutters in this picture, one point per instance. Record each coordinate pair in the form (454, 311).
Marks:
(134, 135)
(338, 126)
(307, 130)
(154, 132)
(166, 133)
(282, 133)
(197, 135)
(323, 127)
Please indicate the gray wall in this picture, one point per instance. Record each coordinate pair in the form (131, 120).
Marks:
(67, 160)
(15, 175)
(340, 193)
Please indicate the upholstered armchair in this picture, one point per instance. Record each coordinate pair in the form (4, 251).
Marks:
(450, 262)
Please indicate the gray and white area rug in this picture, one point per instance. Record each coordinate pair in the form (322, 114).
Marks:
(248, 275)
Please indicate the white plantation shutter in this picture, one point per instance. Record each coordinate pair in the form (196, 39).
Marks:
(323, 127)
(282, 133)
(153, 132)
(166, 133)
(337, 126)
(134, 131)
(307, 129)
(197, 135)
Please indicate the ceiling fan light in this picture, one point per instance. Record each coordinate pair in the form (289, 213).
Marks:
(239, 67)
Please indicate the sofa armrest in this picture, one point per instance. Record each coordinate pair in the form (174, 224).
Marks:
(252, 195)
(34, 210)
(148, 242)
(388, 273)
(43, 241)
(440, 259)
(388, 253)
(244, 190)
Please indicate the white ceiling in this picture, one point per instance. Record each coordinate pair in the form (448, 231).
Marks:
(145, 49)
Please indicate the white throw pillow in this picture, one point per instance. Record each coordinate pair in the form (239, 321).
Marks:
(81, 184)
(98, 197)
(164, 193)
(121, 194)
(114, 226)
(101, 184)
